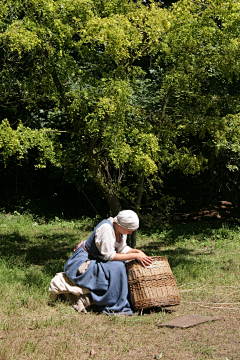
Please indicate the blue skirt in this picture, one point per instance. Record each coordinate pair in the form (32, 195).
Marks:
(106, 280)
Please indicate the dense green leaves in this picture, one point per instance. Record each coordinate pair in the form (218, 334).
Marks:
(21, 140)
(131, 86)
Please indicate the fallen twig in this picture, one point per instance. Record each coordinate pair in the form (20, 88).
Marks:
(185, 285)
(195, 302)
(214, 307)
(194, 289)
(231, 294)
(218, 307)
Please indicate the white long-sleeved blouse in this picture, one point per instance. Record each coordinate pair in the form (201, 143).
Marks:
(107, 243)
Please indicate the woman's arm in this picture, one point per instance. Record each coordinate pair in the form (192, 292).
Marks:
(134, 254)
(132, 251)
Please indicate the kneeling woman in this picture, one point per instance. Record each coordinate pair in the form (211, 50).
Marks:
(98, 263)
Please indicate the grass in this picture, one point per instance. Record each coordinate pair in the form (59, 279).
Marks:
(204, 258)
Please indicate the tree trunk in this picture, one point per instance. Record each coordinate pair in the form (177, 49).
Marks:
(140, 193)
(105, 183)
(111, 197)
(132, 239)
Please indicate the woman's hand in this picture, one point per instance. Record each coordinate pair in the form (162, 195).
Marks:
(143, 259)
(78, 246)
(134, 254)
(140, 256)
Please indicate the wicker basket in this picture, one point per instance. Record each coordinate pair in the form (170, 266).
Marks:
(152, 286)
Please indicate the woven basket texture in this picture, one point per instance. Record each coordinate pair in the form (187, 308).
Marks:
(152, 286)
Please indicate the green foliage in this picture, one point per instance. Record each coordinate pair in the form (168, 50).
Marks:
(131, 87)
(228, 141)
(22, 139)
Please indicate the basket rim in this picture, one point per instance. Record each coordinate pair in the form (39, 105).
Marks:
(155, 258)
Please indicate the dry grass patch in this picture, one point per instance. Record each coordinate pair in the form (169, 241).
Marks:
(62, 333)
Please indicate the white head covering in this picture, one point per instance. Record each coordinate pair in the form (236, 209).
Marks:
(127, 219)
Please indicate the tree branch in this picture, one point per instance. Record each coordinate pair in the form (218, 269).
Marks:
(165, 107)
(140, 192)
(59, 88)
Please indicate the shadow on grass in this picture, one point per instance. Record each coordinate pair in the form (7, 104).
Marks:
(49, 253)
(174, 231)
(176, 257)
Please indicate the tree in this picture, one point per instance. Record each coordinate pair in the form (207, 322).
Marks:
(79, 60)
(192, 91)
(128, 85)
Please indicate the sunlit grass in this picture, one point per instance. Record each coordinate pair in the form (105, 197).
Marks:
(203, 257)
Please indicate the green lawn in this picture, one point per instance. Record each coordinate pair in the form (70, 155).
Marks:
(204, 258)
